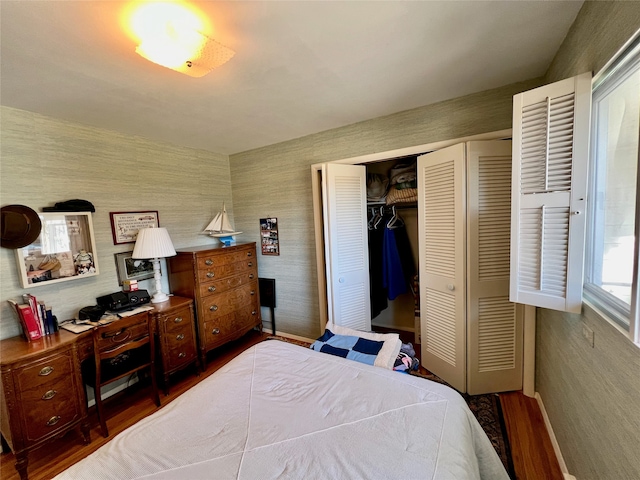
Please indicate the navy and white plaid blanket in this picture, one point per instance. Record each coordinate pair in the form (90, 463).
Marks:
(348, 346)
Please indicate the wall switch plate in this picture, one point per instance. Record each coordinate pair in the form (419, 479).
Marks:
(588, 334)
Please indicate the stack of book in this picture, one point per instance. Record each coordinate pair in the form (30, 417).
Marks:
(36, 319)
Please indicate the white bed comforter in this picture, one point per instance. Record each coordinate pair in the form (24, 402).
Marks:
(284, 411)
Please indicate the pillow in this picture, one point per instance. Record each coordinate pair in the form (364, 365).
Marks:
(379, 349)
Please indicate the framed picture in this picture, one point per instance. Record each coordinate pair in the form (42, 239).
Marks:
(64, 250)
(125, 225)
(269, 236)
(132, 269)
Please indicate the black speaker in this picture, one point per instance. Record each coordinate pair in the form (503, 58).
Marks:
(122, 300)
(139, 297)
(267, 287)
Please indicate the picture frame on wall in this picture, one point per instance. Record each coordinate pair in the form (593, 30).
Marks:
(125, 225)
(269, 241)
(132, 269)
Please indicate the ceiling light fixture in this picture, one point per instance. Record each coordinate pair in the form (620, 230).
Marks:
(170, 34)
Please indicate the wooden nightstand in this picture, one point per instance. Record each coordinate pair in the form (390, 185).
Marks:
(42, 393)
(176, 332)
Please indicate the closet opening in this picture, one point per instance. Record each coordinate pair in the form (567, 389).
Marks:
(392, 226)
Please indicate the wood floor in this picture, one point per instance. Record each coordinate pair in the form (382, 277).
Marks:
(530, 445)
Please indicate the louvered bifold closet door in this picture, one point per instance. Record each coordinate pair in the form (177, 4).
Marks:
(441, 224)
(494, 324)
(550, 157)
(344, 195)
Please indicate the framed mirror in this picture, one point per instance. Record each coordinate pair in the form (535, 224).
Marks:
(65, 250)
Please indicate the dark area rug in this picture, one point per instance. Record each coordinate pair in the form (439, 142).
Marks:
(488, 411)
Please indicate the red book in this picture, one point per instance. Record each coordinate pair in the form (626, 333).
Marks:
(29, 322)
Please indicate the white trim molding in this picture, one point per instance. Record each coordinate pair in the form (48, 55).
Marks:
(554, 441)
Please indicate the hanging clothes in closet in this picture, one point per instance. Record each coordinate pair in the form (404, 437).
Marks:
(390, 260)
(377, 292)
(397, 260)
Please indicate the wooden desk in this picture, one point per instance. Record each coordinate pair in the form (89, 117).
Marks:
(42, 394)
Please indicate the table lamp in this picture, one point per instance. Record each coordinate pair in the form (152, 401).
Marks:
(154, 244)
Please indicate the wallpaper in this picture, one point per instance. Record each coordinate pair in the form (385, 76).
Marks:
(46, 160)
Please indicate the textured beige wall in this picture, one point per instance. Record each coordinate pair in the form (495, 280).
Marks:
(45, 161)
(592, 395)
(276, 181)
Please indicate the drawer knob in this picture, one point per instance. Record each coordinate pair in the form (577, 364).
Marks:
(212, 289)
(53, 420)
(182, 355)
(250, 264)
(253, 312)
(251, 276)
(215, 331)
(208, 262)
(213, 308)
(249, 254)
(180, 337)
(45, 371)
(253, 292)
(210, 274)
(49, 395)
(177, 320)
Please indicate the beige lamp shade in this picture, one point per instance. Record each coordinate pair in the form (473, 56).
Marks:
(153, 243)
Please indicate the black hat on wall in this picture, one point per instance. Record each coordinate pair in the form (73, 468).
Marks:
(20, 226)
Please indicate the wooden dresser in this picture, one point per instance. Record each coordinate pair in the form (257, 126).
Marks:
(176, 332)
(223, 281)
(42, 394)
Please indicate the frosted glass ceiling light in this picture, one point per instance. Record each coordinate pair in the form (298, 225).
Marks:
(170, 34)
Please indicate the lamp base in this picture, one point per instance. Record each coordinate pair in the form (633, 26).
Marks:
(159, 297)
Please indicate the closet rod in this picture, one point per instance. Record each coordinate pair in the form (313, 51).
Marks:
(397, 205)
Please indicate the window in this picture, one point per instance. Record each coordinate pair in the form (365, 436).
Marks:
(611, 260)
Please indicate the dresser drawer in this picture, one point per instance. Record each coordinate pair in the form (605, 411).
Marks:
(210, 274)
(48, 394)
(207, 260)
(178, 321)
(52, 408)
(218, 330)
(44, 372)
(216, 306)
(220, 286)
(180, 349)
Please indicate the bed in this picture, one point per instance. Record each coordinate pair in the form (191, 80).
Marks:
(280, 410)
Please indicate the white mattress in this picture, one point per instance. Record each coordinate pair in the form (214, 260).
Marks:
(284, 411)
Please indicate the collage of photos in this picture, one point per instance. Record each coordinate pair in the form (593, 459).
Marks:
(269, 236)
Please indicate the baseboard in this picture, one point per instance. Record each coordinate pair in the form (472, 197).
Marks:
(554, 441)
(289, 335)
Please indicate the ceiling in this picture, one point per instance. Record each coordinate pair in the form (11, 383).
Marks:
(300, 66)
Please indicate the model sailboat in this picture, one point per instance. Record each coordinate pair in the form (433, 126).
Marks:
(220, 227)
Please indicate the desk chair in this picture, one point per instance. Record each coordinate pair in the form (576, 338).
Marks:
(121, 348)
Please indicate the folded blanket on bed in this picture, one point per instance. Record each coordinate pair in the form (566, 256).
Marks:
(371, 348)
(348, 346)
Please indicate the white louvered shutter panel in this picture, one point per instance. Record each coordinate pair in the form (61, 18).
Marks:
(441, 224)
(549, 184)
(494, 330)
(346, 245)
